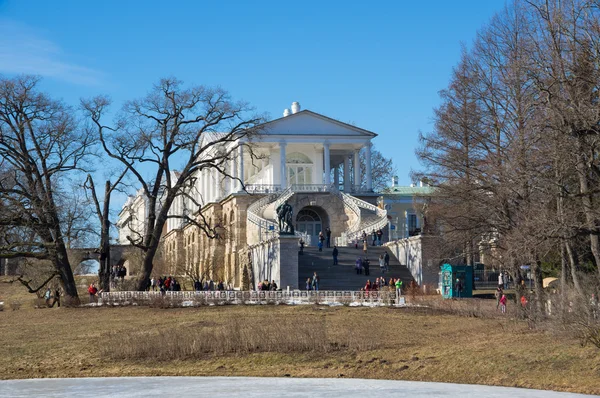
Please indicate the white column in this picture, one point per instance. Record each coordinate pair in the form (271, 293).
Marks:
(357, 169)
(211, 185)
(326, 165)
(368, 167)
(217, 178)
(240, 164)
(233, 171)
(346, 173)
(336, 177)
(282, 146)
(204, 187)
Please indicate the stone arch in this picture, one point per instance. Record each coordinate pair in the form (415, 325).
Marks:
(311, 220)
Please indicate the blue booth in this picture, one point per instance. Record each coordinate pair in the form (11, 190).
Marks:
(456, 281)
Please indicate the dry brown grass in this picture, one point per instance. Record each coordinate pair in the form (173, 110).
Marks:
(300, 341)
(286, 335)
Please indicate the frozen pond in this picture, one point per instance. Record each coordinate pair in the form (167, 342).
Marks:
(255, 387)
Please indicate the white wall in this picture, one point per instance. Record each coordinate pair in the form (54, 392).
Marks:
(412, 252)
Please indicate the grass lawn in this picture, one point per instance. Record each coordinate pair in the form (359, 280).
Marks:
(386, 343)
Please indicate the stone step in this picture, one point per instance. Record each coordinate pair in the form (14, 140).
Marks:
(343, 276)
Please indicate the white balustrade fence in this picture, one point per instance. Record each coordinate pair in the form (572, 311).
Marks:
(192, 298)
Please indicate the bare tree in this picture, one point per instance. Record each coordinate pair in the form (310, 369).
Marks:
(41, 145)
(168, 130)
(102, 209)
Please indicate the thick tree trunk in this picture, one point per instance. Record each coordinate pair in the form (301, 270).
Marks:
(66, 275)
(147, 265)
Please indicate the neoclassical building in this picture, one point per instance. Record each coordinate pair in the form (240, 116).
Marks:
(307, 159)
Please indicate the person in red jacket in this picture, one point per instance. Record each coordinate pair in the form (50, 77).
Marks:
(92, 290)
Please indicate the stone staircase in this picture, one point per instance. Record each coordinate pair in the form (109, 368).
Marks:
(343, 276)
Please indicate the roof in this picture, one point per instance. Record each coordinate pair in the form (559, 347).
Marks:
(408, 190)
(306, 112)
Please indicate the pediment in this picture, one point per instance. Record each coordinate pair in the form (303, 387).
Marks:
(310, 123)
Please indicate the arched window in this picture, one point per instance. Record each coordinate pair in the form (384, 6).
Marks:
(232, 216)
(297, 158)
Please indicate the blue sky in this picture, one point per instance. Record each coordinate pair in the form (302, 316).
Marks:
(377, 64)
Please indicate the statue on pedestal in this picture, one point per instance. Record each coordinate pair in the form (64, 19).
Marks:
(284, 217)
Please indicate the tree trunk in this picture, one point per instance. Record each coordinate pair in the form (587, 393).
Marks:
(573, 266)
(539, 286)
(587, 205)
(104, 271)
(66, 275)
(147, 265)
(563, 279)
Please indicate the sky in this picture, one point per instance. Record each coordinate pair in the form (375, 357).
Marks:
(376, 64)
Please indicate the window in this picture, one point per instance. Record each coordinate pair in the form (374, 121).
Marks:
(299, 168)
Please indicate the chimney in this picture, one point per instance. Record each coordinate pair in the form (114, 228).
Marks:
(286, 112)
(295, 107)
(394, 181)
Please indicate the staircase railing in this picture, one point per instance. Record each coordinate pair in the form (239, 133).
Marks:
(380, 223)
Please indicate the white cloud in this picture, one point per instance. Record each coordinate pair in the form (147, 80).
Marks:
(22, 50)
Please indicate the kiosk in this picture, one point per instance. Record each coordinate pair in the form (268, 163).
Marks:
(456, 281)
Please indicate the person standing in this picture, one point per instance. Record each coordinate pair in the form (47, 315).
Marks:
(498, 294)
(366, 265)
(315, 281)
(365, 245)
(359, 266)
(92, 291)
(328, 234)
(56, 297)
(500, 280)
(379, 237)
(386, 259)
(335, 255)
(48, 296)
(381, 264)
(374, 236)
(301, 243)
(503, 303)
(321, 239)
(308, 283)
(458, 287)
(398, 285)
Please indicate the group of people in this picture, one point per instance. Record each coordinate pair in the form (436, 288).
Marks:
(376, 239)
(324, 239)
(118, 272)
(363, 264)
(210, 286)
(267, 286)
(380, 284)
(313, 282)
(52, 297)
(165, 284)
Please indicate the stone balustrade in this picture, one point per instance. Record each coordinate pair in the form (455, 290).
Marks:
(293, 297)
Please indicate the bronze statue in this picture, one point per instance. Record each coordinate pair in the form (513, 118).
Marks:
(284, 217)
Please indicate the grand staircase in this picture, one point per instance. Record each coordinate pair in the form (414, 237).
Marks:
(365, 217)
(343, 276)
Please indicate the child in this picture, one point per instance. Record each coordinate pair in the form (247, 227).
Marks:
(320, 245)
(503, 303)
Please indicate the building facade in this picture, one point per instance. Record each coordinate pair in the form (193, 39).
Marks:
(306, 159)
